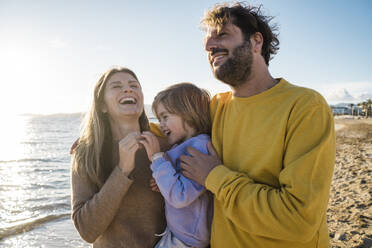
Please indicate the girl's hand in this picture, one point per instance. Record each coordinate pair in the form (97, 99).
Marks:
(154, 187)
(127, 151)
(151, 144)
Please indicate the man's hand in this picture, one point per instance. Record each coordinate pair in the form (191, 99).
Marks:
(198, 165)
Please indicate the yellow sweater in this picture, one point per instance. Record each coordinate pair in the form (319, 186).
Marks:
(278, 152)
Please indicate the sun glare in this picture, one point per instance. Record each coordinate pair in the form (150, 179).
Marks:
(12, 133)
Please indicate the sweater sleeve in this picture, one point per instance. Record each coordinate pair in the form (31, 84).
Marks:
(176, 189)
(294, 210)
(94, 209)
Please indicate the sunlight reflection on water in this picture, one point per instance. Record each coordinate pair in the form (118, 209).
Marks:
(35, 182)
(13, 133)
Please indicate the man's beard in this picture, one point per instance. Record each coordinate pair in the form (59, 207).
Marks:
(237, 69)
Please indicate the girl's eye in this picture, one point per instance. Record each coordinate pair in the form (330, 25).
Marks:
(116, 86)
(134, 86)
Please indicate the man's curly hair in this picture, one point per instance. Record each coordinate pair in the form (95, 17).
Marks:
(249, 19)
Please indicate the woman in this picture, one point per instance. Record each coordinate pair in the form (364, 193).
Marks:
(112, 204)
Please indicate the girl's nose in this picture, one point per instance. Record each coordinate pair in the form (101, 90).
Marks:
(161, 124)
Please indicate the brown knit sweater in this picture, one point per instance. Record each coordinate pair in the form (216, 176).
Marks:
(123, 213)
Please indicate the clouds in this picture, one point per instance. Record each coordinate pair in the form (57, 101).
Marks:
(347, 91)
(57, 43)
(340, 95)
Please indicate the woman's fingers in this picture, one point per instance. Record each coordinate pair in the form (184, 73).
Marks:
(134, 147)
(128, 145)
(131, 137)
(130, 140)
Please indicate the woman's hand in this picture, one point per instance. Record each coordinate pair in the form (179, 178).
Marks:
(151, 143)
(127, 151)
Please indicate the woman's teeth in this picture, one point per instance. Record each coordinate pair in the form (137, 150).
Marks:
(128, 100)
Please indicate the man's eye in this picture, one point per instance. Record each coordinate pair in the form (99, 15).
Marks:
(221, 34)
(116, 86)
(134, 86)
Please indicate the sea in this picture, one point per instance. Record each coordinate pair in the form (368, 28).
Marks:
(35, 192)
(35, 181)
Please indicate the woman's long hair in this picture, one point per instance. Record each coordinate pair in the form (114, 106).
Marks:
(93, 156)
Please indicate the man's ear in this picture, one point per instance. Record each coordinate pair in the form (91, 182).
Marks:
(257, 42)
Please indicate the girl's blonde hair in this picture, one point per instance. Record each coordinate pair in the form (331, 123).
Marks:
(93, 156)
(189, 102)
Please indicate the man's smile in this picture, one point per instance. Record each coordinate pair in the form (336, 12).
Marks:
(217, 55)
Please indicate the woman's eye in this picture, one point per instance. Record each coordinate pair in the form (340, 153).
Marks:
(134, 86)
(116, 87)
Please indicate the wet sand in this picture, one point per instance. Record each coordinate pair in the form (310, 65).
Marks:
(350, 206)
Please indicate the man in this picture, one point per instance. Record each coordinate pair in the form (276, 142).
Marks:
(274, 142)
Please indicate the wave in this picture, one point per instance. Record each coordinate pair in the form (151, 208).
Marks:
(28, 160)
(49, 208)
(76, 114)
(28, 226)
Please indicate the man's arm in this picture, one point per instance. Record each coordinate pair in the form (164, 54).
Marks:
(293, 211)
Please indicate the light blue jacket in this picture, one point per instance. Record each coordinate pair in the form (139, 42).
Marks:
(188, 206)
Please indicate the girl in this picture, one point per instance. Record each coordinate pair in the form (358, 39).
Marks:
(183, 113)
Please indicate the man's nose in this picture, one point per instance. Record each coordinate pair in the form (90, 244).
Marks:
(210, 43)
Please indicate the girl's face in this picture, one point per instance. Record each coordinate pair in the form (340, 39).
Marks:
(173, 127)
(123, 96)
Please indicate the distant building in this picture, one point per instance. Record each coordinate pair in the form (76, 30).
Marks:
(341, 110)
(345, 109)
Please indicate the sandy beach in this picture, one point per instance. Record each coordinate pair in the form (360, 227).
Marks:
(350, 205)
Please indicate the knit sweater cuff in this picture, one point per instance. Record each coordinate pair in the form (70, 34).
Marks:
(214, 178)
(123, 179)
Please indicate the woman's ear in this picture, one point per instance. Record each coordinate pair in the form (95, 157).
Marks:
(104, 109)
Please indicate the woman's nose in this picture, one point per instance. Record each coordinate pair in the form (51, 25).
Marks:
(126, 88)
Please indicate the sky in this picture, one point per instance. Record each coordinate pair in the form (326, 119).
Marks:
(53, 52)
